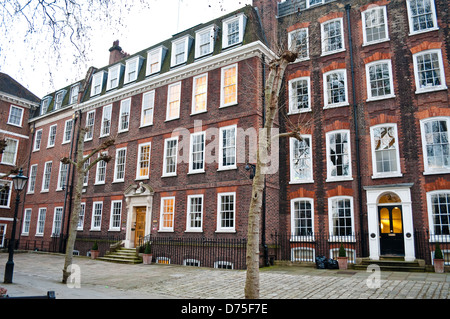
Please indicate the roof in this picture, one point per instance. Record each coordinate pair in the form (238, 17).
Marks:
(253, 32)
(11, 87)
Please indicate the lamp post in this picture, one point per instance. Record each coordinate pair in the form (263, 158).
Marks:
(19, 182)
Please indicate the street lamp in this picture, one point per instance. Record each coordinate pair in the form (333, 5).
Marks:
(251, 168)
(19, 182)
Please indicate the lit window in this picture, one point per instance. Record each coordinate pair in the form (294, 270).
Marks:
(199, 98)
(229, 86)
(167, 213)
(173, 101)
(143, 164)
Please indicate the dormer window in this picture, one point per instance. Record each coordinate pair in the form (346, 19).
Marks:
(204, 41)
(180, 50)
(233, 30)
(59, 99)
(155, 59)
(45, 104)
(74, 93)
(97, 83)
(132, 69)
(114, 74)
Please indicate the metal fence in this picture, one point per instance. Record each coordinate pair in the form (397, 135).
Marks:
(226, 253)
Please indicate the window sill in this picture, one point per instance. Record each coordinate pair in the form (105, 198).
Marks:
(342, 179)
(291, 112)
(332, 52)
(223, 169)
(224, 231)
(385, 97)
(413, 33)
(196, 172)
(332, 106)
(171, 175)
(436, 172)
(366, 44)
(228, 105)
(379, 176)
(431, 89)
(301, 182)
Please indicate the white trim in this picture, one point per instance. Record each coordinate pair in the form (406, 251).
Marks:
(43, 176)
(292, 47)
(123, 105)
(14, 134)
(169, 100)
(194, 87)
(135, 71)
(302, 237)
(93, 227)
(391, 81)
(433, 15)
(149, 144)
(21, 115)
(111, 228)
(165, 174)
(375, 172)
(293, 109)
(221, 229)
(443, 85)
(161, 216)
(222, 87)
(386, 27)
(322, 36)
(210, 30)
(116, 70)
(426, 168)
(107, 118)
(241, 17)
(16, 151)
(331, 215)
(4, 183)
(191, 146)
(292, 180)
(152, 102)
(188, 214)
(221, 146)
(157, 51)
(184, 41)
(325, 89)
(119, 180)
(42, 213)
(50, 135)
(430, 213)
(349, 154)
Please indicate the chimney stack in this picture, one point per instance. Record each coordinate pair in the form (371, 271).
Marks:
(116, 53)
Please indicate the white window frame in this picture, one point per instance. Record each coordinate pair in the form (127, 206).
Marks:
(5, 159)
(8, 186)
(106, 118)
(348, 176)
(370, 97)
(52, 135)
(221, 148)
(132, 68)
(308, 159)
(57, 219)
(32, 181)
(101, 165)
(37, 140)
(202, 93)
(192, 170)
(90, 134)
(376, 174)
(241, 19)
(175, 99)
(327, 105)
(140, 161)
(209, 31)
(364, 25)
(40, 225)
(158, 53)
(62, 176)
(68, 129)
(114, 214)
(125, 115)
(81, 215)
(166, 141)
(96, 206)
(10, 121)
(119, 173)
(26, 221)
(443, 85)
(45, 103)
(148, 105)
(221, 228)
(180, 43)
(427, 169)
(163, 228)
(431, 219)
(114, 74)
(86, 176)
(324, 37)
(74, 90)
(331, 215)
(59, 98)
(410, 18)
(189, 219)
(303, 55)
(293, 109)
(223, 88)
(46, 176)
(294, 235)
(97, 83)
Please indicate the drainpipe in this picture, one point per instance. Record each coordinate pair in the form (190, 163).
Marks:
(263, 239)
(357, 141)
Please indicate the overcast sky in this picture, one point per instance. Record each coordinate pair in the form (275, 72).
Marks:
(30, 62)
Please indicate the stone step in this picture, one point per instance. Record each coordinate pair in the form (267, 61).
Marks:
(392, 264)
(122, 255)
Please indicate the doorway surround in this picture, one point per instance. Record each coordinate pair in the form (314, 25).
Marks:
(137, 196)
(374, 193)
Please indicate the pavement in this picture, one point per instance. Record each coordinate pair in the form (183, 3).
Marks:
(36, 273)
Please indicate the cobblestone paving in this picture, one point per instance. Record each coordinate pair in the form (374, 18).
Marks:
(38, 273)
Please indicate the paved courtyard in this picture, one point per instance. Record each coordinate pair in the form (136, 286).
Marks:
(37, 273)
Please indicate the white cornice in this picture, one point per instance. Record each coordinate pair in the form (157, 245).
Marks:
(18, 101)
(226, 57)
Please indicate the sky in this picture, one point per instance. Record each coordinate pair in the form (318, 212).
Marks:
(30, 61)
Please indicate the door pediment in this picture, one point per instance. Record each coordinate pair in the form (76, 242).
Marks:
(140, 189)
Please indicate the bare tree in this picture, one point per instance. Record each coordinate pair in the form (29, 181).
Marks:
(82, 166)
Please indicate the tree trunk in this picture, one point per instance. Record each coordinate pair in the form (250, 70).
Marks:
(272, 91)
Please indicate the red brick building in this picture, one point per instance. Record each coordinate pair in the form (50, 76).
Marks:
(369, 92)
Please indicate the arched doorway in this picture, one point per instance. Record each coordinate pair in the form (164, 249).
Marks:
(391, 225)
